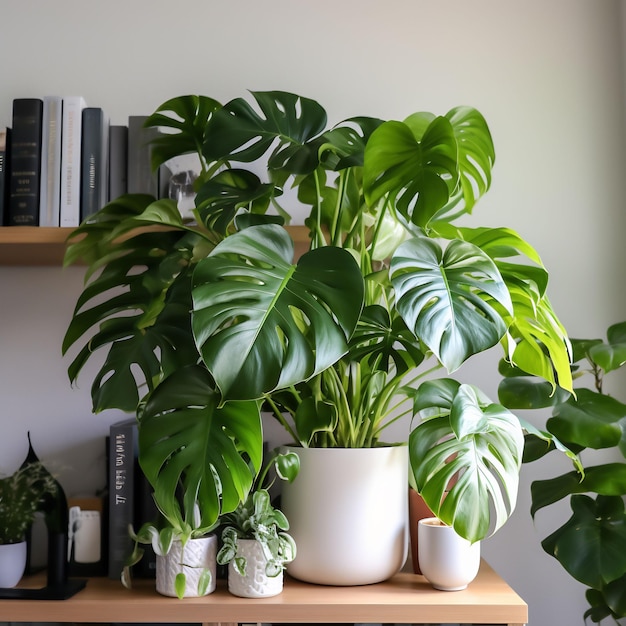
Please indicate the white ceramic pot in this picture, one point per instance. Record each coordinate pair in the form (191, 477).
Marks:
(256, 583)
(12, 563)
(348, 514)
(447, 561)
(192, 560)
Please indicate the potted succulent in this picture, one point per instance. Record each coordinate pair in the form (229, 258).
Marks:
(21, 496)
(211, 320)
(255, 544)
(591, 544)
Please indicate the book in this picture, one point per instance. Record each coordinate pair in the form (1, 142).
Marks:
(118, 161)
(5, 148)
(24, 179)
(141, 177)
(70, 160)
(130, 501)
(50, 188)
(94, 164)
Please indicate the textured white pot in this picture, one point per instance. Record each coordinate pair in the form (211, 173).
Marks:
(12, 563)
(348, 514)
(191, 560)
(256, 583)
(448, 562)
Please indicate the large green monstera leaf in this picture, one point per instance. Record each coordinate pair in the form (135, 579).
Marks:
(452, 299)
(262, 323)
(188, 438)
(465, 457)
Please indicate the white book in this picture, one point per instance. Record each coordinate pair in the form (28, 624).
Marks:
(50, 188)
(70, 160)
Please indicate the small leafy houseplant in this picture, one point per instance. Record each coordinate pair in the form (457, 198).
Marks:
(22, 494)
(207, 321)
(591, 544)
(257, 519)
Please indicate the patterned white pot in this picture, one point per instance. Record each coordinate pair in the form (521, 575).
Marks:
(348, 514)
(12, 563)
(256, 583)
(192, 560)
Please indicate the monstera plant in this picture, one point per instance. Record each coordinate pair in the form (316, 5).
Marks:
(208, 321)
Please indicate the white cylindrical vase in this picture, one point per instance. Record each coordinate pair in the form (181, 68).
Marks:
(348, 514)
(447, 561)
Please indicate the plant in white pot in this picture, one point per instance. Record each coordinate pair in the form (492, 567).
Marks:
(21, 496)
(218, 314)
(255, 544)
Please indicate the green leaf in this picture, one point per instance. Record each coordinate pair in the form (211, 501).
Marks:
(263, 324)
(528, 392)
(466, 463)
(448, 299)
(608, 479)
(608, 357)
(591, 420)
(188, 437)
(418, 173)
(313, 416)
(204, 581)
(221, 197)
(287, 124)
(187, 116)
(591, 544)
(180, 584)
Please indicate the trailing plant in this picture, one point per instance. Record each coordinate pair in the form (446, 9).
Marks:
(205, 321)
(257, 519)
(591, 544)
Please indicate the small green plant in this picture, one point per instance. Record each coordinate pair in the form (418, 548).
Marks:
(21, 496)
(257, 519)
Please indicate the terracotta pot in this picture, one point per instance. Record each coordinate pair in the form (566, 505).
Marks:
(417, 511)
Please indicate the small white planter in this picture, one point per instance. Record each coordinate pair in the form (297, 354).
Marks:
(447, 561)
(192, 560)
(256, 583)
(12, 563)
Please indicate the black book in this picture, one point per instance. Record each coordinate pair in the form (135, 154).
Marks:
(5, 148)
(94, 162)
(118, 161)
(130, 501)
(141, 177)
(25, 176)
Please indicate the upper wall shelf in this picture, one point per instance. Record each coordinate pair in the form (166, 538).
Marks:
(39, 245)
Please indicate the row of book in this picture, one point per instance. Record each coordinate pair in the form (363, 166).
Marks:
(61, 161)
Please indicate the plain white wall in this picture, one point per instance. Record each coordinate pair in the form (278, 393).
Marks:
(546, 75)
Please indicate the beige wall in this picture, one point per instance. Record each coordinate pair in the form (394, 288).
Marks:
(547, 76)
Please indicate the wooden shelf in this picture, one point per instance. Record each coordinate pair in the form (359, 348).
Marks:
(406, 598)
(38, 245)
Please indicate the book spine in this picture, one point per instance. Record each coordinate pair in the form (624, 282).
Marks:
(50, 190)
(118, 161)
(141, 178)
(122, 456)
(94, 175)
(5, 143)
(25, 162)
(70, 160)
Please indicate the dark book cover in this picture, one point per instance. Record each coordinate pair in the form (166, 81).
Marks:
(141, 178)
(5, 149)
(130, 501)
(122, 455)
(25, 176)
(118, 161)
(94, 162)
